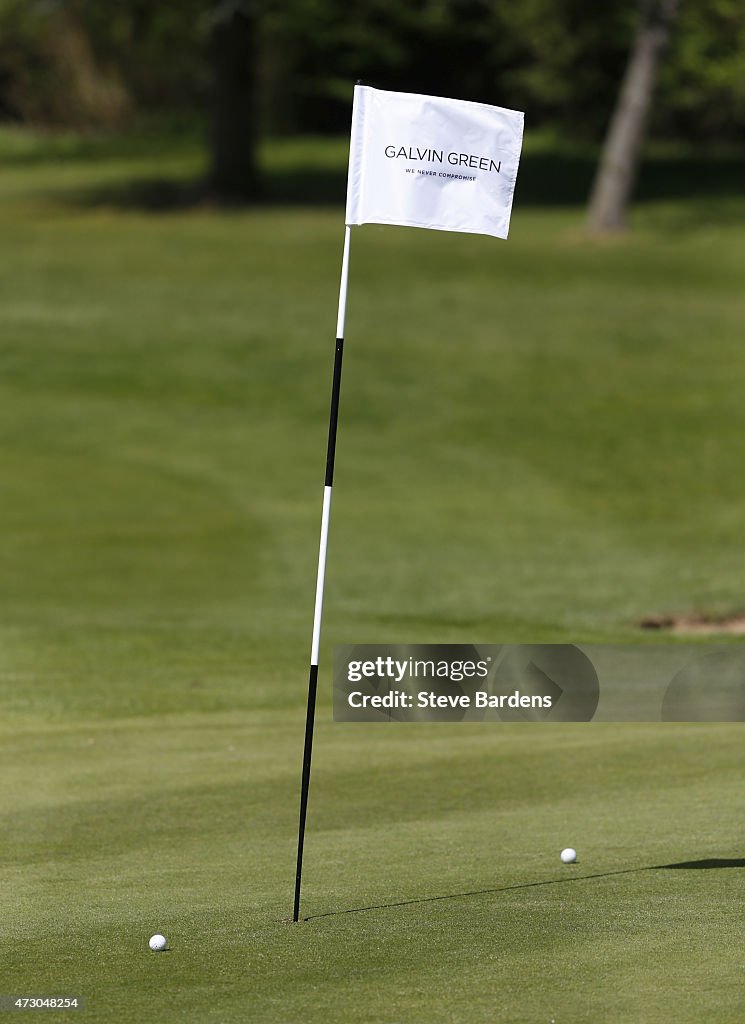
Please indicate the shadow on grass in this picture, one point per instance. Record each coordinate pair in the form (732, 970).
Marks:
(150, 138)
(707, 864)
(545, 179)
(704, 865)
(286, 188)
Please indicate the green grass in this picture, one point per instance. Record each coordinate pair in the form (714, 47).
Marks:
(540, 440)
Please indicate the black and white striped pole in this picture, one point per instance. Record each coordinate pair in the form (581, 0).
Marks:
(321, 575)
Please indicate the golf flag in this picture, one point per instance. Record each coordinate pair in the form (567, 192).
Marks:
(429, 162)
(422, 162)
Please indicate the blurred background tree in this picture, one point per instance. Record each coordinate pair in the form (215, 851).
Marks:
(619, 159)
(85, 65)
(261, 67)
(233, 51)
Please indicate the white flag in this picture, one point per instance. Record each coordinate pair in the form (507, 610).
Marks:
(428, 162)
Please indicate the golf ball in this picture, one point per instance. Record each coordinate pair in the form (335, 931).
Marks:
(158, 943)
(568, 856)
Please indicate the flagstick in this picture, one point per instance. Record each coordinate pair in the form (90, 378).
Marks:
(313, 680)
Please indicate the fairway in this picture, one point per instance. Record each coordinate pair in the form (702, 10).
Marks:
(540, 440)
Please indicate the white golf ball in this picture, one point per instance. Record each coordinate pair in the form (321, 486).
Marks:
(158, 943)
(568, 856)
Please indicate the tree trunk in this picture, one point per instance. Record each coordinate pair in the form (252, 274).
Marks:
(611, 191)
(233, 175)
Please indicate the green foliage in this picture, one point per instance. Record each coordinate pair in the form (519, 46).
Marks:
(82, 63)
(21, 72)
(157, 47)
(565, 62)
(559, 60)
(551, 59)
(702, 88)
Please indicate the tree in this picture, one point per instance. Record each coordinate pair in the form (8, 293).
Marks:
(233, 53)
(611, 192)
